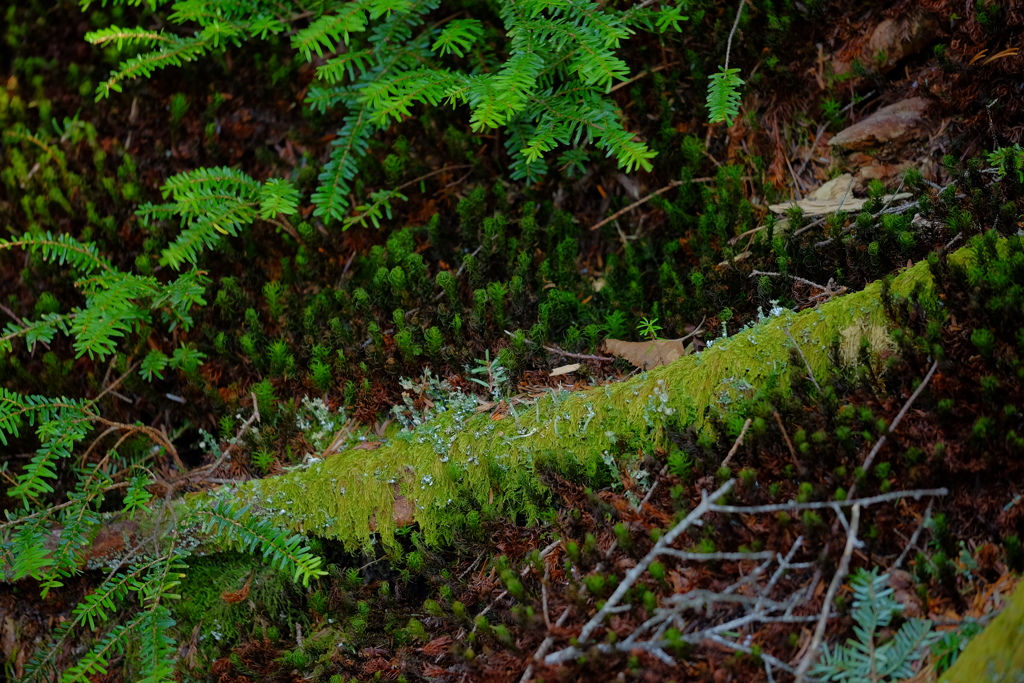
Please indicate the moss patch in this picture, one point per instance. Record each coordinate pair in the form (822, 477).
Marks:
(462, 461)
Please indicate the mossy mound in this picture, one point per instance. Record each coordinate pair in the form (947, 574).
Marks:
(996, 655)
(443, 473)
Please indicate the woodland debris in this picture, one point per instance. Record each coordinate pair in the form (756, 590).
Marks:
(835, 195)
(889, 124)
(891, 41)
(648, 354)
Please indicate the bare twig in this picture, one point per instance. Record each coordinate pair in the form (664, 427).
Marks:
(578, 356)
(199, 471)
(735, 25)
(785, 435)
(833, 588)
(644, 200)
(913, 538)
(804, 358)
(759, 606)
(640, 75)
(526, 570)
(866, 465)
(738, 442)
(755, 273)
(663, 543)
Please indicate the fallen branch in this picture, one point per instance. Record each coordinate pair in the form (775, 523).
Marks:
(760, 608)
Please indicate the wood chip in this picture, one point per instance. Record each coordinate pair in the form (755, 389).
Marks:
(565, 369)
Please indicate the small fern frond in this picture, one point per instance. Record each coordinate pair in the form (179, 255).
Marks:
(331, 198)
(172, 50)
(724, 95)
(157, 649)
(458, 36)
(83, 257)
(283, 550)
(326, 32)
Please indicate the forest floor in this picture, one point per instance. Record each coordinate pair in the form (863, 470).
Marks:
(849, 98)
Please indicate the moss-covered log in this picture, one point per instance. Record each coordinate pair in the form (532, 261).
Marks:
(460, 462)
(996, 655)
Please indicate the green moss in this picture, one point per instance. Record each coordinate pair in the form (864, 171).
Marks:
(461, 461)
(997, 654)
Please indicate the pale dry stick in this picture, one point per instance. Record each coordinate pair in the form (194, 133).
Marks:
(640, 75)
(462, 266)
(255, 417)
(578, 356)
(550, 640)
(650, 491)
(664, 542)
(837, 581)
(526, 570)
(545, 645)
(804, 358)
(866, 465)
(810, 150)
(117, 382)
(835, 505)
(768, 659)
(735, 25)
(430, 175)
(544, 595)
(755, 273)
(956, 238)
(789, 444)
(471, 567)
(418, 180)
(902, 208)
(913, 538)
(737, 443)
(644, 200)
(796, 181)
(699, 599)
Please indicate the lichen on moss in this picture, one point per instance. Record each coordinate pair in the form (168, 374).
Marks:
(461, 460)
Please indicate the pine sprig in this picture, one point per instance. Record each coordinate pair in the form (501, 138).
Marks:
(549, 88)
(724, 95)
(866, 658)
(280, 548)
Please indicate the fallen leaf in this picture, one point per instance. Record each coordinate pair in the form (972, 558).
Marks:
(834, 195)
(404, 512)
(565, 369)
(899, 120)
(649, 354)
(233, 597)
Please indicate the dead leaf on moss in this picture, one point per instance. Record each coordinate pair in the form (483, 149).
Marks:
(233, 597)
(894, 122)
(565, 369)
(404, 512)
(648, 354)
(834, 195)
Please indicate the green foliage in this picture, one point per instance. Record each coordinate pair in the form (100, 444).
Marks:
(547, 85)
(213, 202)
(868, 658)
(1008, 159)
(724, 95)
